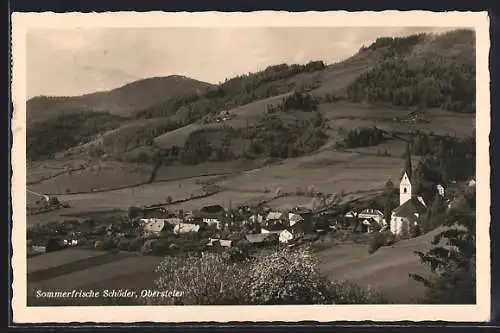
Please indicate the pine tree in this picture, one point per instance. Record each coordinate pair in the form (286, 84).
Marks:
(452, 262)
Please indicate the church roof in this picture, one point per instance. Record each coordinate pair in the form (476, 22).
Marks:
(409, 208)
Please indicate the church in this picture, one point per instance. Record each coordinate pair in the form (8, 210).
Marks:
(410, 207)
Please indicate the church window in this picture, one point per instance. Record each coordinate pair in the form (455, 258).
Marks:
(404, 190)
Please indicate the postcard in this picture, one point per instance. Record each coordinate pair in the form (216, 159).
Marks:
(262, 166)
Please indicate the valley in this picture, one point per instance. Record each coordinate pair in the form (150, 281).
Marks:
(325, 139)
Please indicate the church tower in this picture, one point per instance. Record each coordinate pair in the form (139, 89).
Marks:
(405, 187)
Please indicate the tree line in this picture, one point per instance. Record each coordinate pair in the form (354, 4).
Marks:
(437, 78)
(233, 92)
(362, 137)
(444, 159)
(271, 137)
(46, 138)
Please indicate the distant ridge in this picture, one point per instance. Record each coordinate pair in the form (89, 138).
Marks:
(121, 101)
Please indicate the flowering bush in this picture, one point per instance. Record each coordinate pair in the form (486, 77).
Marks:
(209, 278)
(345, 292)
(285, 276)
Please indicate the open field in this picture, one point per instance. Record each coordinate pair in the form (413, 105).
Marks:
(97, 176)
(349, 116)
(58, 258)
(39, 171)
(126, 271)
(135, 196)
(289, 202)
(57, 215)
(224, 198)
(173, 172)
(350, 172)
(336, 77)
(386, 270)
(327, 171)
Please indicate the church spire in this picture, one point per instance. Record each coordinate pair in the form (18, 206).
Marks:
(408, 168)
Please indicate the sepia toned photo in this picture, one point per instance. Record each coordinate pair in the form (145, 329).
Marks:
(174, 163)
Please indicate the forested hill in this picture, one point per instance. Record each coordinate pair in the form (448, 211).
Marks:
(120, 101)
(416, 72)
(423, 70)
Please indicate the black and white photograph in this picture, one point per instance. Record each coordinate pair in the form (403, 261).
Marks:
(232, 160)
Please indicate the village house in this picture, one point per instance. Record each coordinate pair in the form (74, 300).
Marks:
(46, 245)
(256, 218)
(374, 214)
(220, 242)
(73, 239)
(440, 189)
(294, 218)
(371, 225)
(174, 220)
(157, 212)
(154, 226)
(275, 221)
(184, 228)
(261, 239)
(285, 236)
(212, 215)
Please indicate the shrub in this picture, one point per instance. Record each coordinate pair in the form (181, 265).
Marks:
(415, 231)
(147, 247)
(282, 277)
(345, 292)
(133, 212)
(378, 239)
(123, 245)
(287, 277)
(201, 279)
(279, 192)
(54, 201)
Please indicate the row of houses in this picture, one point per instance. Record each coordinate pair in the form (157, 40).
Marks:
(268, 224)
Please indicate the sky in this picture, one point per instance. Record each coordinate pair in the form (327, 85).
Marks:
(70, 62)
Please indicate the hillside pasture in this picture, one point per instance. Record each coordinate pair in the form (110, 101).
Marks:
(173, 172)
(350, 172)
(224, 198)
(147, 194)
(39, 171)
(395, 148)
(336, 77)
(289, 202)
(58, 258)
(98, 176)
(386, 270)
(127, 271)
(243, 116)
(349, 116)
(79, 213)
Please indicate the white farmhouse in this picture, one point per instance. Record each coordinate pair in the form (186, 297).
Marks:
(285, 236)
(440, 189)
